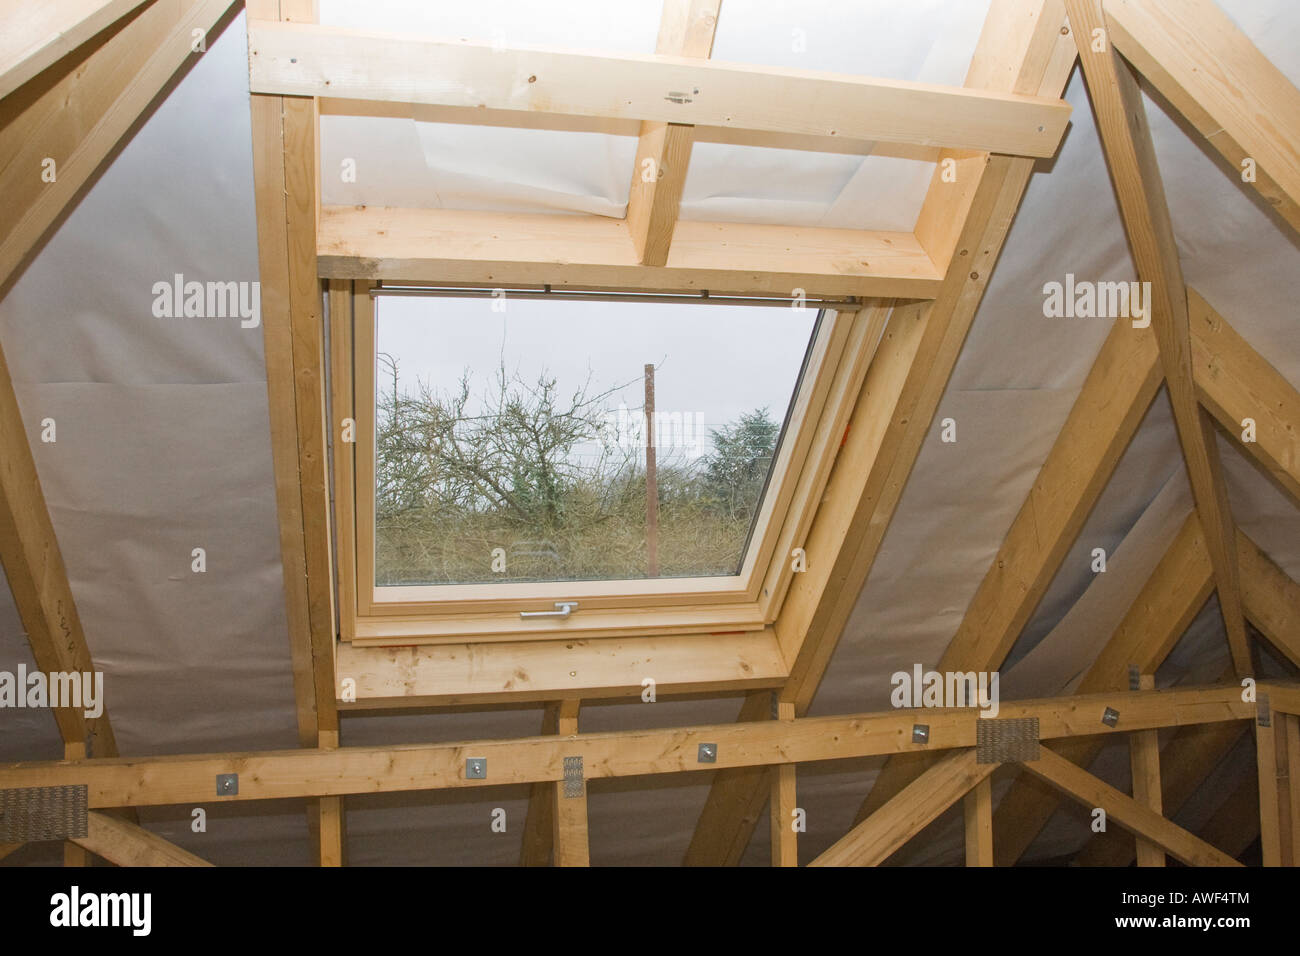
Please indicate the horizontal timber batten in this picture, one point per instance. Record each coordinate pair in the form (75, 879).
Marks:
(311, 60)
(578, 669)
(155, 781)
(522, 119)
(447, 246)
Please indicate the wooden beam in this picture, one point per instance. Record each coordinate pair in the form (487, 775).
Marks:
(1282, 696)
(875, 839)
(1144, 763)
(272, 241)
(294, 774)
(306, 316)
(1106, 415)
(569, 839)
(34, 36)
(126, 844)
(902, 390)
(1272, 599)
(330, 817)
(1187, 759)
(331, 831)
(783, 805)
(1290, 793)
(308, 60)
(1130, 814)
(450, 246)
(1021, 41)
(664, 149)
(1270, 806)
(560, 122)
(79, 118)
(1243, 105)
(1169, 601)
(1130, 155)
(735, 801)
(38, 579)
(287, 190)
(74, 855)
(977, 811)
(284, 173)
(435, 675)
(540, 822)
(1234, 382)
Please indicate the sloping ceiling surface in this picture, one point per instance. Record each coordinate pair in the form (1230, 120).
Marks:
(163, 444)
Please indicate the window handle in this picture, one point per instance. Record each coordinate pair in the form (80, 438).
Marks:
(562, 609)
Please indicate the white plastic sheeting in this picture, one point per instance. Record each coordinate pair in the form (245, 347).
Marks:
(163, 436)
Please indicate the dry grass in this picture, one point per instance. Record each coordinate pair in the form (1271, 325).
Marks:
(422, 547)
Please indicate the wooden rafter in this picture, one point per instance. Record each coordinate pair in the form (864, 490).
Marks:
(1171, 598)
(1236, 383)
(735, 802)
(34, 36)
(923, 343)
(1133, 816)
(1242, 104)
(1019, 50)
(1173, 595)
(79, 112)
(42, 592)
(287, 192)
(1185, 761)
(289, 774)
(308, 60)
(1272, 602)
(1130, 155)
(876, 838)
(664, 149)
(1272, 599)
(1106, 414)
(126, 844)
(33, 565)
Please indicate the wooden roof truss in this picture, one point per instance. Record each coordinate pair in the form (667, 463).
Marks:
(921, 290)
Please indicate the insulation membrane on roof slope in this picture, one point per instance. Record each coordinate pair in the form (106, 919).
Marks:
(163, 442)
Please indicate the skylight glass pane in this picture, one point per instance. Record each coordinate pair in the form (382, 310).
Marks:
(510, 436)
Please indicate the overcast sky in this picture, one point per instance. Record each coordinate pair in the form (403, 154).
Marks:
(713, 362)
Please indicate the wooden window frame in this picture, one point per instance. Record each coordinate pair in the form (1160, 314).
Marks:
(462, 613)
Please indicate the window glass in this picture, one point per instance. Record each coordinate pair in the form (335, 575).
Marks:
(511, 439)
